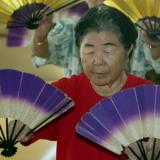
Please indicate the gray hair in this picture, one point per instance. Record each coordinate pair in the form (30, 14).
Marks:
(105, 18)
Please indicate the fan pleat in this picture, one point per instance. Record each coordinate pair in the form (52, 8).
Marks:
(146, 100)
(129, 112)
(98, 137)
(139, 11)
(157, 115)
(110, 123)
(136, 9)
(94, 123)
(126, 117)
(27, 13)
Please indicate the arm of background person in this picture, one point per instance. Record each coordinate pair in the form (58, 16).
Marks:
(40, 41)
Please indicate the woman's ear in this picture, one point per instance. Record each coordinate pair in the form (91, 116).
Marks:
(130, 50)
(128, 57)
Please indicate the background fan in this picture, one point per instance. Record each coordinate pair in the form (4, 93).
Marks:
(146, 13)
(27, 13)
(16, 37)
(19, 37)
(30, 100)
(125, 118)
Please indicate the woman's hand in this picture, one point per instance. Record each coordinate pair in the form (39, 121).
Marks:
(45, 25)
(153, 41)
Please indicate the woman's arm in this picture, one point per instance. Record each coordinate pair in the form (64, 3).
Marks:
(40, 41)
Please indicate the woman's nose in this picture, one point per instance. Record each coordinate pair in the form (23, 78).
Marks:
(98, 59)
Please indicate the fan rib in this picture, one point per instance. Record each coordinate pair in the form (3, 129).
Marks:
(39, 93)
(153, 150)
(119, 115)
(55, 10)
(18, 133)
(7, 133)
(158, 155)
(13, 129)
(1, 139)
(4, 139)
(134, 153)
(140, 27)
(142, 151)
(40, 13)
(32, 130)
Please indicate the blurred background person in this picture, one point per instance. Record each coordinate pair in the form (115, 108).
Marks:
(54, 42)
(145, 61)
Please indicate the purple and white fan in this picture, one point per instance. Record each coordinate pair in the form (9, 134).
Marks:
(127, 117)
(30, 100)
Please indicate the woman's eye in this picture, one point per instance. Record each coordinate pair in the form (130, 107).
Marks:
(90, 52)
(108, 50)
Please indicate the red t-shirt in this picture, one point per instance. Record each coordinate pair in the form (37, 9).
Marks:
(70, 145)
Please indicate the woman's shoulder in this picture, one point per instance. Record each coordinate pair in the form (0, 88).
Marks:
(71, 84)
(74, 85)
(134, 80)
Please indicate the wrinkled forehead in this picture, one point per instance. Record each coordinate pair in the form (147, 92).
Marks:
(101, 34)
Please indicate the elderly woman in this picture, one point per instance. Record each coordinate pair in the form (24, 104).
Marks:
(145, 61)
(105, 38)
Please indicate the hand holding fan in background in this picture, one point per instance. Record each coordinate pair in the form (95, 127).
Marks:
(127, 117)
(145, 149)
(23, 36)
(30, 100)
(145, 13)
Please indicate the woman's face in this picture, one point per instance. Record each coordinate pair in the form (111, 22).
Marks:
(103, 57)
(93, 3)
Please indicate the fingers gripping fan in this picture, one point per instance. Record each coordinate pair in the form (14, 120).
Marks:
(127, 117)
(145, 13)
(30, 100)
(27, 13)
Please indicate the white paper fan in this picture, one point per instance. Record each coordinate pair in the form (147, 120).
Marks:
(30, 100)
(125, 118)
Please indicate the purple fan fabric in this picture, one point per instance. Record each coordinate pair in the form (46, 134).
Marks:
(146, 99)
(79, 9)
(106, 113)
(16, 36)
(7, 79)
(157, 103)
(32, 90)
(97, 129)
(90, 133)
(28, 15)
